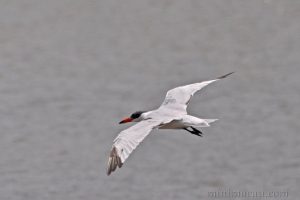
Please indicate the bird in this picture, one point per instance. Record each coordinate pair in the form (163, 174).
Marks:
(171, 114)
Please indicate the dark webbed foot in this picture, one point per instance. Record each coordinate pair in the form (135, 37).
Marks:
(197, 132)
(194, 131)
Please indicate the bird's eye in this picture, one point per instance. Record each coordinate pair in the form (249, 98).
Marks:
(134, 115)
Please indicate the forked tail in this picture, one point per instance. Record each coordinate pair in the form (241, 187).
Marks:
(210, 120)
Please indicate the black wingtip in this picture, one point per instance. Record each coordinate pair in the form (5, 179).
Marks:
(224, 76)
(114, 161)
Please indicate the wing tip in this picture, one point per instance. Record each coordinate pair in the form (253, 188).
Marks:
(114, 161)
(224, 76)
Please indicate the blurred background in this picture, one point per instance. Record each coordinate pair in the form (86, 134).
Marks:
(70, 70)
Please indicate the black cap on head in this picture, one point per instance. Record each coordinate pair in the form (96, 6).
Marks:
(136, 114)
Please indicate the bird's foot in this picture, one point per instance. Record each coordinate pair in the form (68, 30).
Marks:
(194, 131)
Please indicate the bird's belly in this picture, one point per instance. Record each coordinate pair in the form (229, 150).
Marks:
(176, 124)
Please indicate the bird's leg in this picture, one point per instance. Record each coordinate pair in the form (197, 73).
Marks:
(194, 131)
(187, 130)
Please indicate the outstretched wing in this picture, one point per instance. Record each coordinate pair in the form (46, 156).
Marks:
(127, 141)
(179, 97)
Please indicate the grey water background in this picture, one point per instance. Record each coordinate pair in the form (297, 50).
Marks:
(70, 70)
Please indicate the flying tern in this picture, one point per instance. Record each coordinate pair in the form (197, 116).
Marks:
(172, 114)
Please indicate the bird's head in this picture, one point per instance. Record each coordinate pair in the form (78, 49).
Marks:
(134, 117)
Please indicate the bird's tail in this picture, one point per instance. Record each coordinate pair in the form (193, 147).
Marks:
(210, 120)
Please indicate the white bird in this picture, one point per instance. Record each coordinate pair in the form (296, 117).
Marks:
(171, 114)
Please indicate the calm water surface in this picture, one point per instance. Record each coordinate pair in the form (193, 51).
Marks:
(70, 70)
